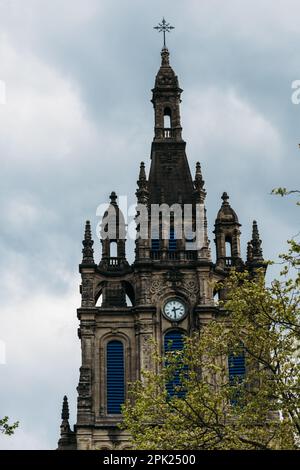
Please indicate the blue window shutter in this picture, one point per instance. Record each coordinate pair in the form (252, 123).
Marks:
(236, 367)
(172, 240)
(237, 372)
(173, 341)
(155, 238)
(115, 376)
(155, 244)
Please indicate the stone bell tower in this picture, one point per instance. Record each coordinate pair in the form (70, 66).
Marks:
(166, 293)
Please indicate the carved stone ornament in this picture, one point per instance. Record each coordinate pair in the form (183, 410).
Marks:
(174, 277)
(87, 292)
(145, 328)
(156, 286)
(191, 286)
(84, 388)
(143, 290)
(114, 330)
(87, 328)
(147, 351)
(157, 289)
(174, 280)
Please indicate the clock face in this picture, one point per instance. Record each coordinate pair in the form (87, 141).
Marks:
(174, 309)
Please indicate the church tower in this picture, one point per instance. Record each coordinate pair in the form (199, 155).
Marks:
(166, 293)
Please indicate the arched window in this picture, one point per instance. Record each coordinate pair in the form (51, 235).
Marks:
(173, 341)
(115, 376)
(216, 298)
(167, 118)
(99, 301)
(228, 248)
(113, 249)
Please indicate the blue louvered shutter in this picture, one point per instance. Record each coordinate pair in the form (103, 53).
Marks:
(155, 241)
(237, 372)
(115, 376)
(155, 244)
(172, 240)
(173, 341)
(237, 367)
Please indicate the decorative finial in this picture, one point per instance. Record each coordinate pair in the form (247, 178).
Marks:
(249, 252)
(255, 234)
(113, 198)
(142, 191)
(225, 198)
(66, 435)
(198, 169)
(88, 232)
(165, 58)
(87, 251)
(256, 243)
(65, 409)
(199, 183)
(164, 28)
(142, 175)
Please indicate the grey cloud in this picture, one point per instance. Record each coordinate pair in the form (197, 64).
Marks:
(77, 123)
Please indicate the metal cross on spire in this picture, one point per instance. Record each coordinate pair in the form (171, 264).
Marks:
(164, 27)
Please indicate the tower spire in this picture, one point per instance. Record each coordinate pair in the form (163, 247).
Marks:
(88, 251)
(67, 439)
(227, 231)
(255, 257)
(113, 237)
(169, 171)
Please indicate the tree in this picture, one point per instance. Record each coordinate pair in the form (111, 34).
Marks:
(209, 410)
(7, 428)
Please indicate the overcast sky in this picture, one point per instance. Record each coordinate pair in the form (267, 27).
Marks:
(76, 124)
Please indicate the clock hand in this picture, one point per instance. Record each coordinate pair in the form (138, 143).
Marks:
(174, 310)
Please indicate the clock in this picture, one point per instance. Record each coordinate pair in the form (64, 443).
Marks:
(174, 309)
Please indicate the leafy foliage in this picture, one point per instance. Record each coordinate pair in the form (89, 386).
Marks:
(7, 428)
(262, 411)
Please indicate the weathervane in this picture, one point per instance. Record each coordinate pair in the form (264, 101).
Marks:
(164, 27)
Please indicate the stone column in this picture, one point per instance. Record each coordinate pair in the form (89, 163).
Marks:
(85, 414)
